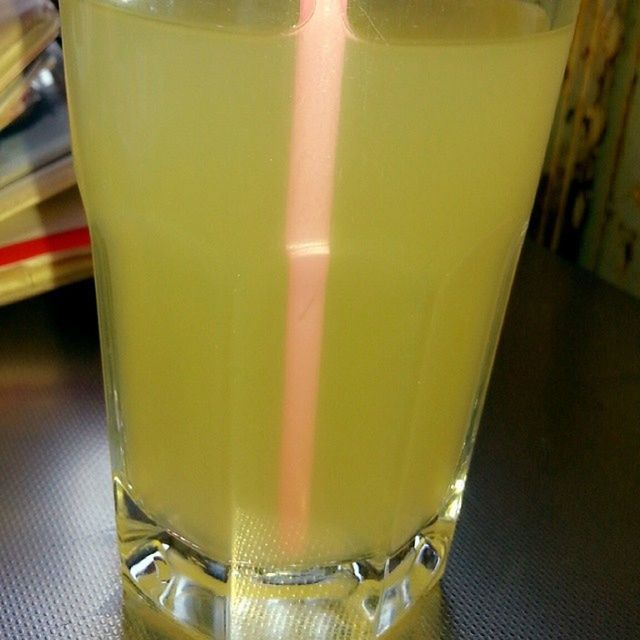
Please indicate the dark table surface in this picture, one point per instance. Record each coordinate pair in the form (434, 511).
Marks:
(548, 544)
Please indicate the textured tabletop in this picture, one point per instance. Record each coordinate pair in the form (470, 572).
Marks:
(548, 542)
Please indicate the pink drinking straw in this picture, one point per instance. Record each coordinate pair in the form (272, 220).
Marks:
(314, 134)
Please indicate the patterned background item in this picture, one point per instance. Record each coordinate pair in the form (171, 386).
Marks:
(588, 205)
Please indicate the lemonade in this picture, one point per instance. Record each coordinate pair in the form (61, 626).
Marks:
(181, 125)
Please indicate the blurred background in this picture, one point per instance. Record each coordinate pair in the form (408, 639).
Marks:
(588, 204)
(43, 237)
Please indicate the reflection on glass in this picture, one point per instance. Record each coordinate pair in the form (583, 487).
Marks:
(428, 619)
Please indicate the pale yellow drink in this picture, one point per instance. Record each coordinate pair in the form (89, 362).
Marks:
(181, 139)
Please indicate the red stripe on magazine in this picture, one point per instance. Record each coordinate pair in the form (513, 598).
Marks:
(63, 241)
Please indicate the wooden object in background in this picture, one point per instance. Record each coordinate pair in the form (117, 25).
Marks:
(588, 204)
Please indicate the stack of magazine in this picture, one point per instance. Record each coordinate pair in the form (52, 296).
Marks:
(44, 241)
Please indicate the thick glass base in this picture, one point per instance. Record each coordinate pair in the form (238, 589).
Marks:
(357, 599)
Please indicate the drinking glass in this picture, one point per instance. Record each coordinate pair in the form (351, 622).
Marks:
(305, 218)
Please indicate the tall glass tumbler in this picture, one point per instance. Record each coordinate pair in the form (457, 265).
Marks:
(305, 217)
